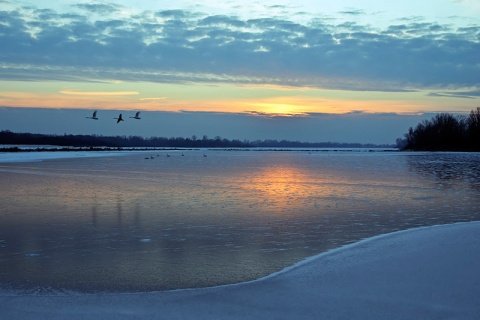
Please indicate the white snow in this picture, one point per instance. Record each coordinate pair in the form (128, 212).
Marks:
(424, 273)
(48, 155)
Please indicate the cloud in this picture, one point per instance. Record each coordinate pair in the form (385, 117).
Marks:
(314, 127)
(184, 46)
(457, 94)
(154, 99)
(173, 14)
(99, 8)
(353, 12)
(271, 115)
(99, 93)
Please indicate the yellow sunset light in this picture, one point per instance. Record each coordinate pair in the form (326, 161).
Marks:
(292, 106)
(284, 109)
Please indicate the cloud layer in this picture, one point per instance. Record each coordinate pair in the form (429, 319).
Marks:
(103, 41)
(355, 127)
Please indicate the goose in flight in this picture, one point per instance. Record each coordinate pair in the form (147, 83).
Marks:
(94, 116)
(137, 116)
(119, 118)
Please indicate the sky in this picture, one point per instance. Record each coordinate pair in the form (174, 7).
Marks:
(339, 71)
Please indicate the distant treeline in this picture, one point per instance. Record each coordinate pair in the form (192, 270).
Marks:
(12, 138)
(444, 132)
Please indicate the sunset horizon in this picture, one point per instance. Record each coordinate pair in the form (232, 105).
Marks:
(253, 159)
(275, 59)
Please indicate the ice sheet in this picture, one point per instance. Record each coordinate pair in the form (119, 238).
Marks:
(84, 224)
(423, 273)
(46, 155)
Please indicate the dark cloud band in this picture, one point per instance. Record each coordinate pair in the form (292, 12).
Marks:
(182, 46)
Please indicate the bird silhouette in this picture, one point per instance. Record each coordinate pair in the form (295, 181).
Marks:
(94, 116)
(119, 118)
(137, 116)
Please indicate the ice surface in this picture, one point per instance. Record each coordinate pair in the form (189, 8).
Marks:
(130, 224)
(423, 273)
(46, 155)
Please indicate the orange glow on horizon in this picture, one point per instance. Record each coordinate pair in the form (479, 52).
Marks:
(274, 106)
(229, 99)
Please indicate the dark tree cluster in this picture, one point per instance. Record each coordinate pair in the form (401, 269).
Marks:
(96, 141)
(444, 132)
(12, 138)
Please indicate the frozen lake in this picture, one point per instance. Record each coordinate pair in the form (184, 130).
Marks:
(134, 224)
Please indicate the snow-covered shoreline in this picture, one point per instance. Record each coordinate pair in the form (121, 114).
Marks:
(32, 156)
(423, 273)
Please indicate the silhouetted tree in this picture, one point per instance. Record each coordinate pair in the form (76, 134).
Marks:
(96, 141)
(401, 143)
(473, 129)
(445, 132)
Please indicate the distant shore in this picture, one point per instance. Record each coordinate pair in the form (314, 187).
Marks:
(96, 141)
(86, 149)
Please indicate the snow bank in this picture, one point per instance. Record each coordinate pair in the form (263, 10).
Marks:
(48, 155)
(425, 273)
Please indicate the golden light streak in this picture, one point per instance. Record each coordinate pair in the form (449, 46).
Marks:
(280, 186)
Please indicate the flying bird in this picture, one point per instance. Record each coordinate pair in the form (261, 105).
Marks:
(119, 118)
(137, 116)
(94, 116)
